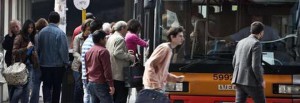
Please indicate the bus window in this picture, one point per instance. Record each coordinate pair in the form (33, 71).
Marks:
(212, 29)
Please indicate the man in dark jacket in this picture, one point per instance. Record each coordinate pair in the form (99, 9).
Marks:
(7, 44)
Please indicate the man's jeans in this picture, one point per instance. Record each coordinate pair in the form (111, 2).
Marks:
(151, 96)
(242, 92)
(100, 92)
(78, 90)
(35, 85)
(52, 80)
(86, 93)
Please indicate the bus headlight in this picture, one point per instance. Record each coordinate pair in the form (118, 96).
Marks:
(177, 87)
(286, 89)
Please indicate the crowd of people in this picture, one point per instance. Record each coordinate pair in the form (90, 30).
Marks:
(100, 51)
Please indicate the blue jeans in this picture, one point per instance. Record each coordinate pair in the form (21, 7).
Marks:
(78, 89)
(100, 92)
(151, 96)
(86, 92)
(19, 92)
(35, 85)
(52, 80)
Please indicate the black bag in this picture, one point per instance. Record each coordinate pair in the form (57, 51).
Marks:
(133, 75)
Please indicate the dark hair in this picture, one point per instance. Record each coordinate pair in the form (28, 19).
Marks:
(54, 17)
(95, 25)
(134, 25)
(40, 24)
(256, 27)
(87, 23)
(90, 16)
(98, 35)
(24, 32)
(174, 31)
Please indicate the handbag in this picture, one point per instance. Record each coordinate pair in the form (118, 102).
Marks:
(133, 75)
(16, 74)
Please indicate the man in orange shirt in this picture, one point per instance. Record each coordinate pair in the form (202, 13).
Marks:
(156, 72)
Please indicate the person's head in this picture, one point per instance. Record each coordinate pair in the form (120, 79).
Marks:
(90, 16)
(175, 35)
(54, 17)
(28, 28)
(257, 18)
(112, 27)
(257, 28)
(99, 37)
(40, 24)
(134, 26)
(121, 27)
(14, 27)
(106, 27)
(95, 25)
(85, 27)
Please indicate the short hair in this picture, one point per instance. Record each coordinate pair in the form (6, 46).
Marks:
(86, 23)
(41, 23)
(119, 25)
(90, 16)
(54, 17)
(256, 27)
(98, 35)
(106, 27)
(17, 22)
(95, 25)
(134, 25)
(174, 31)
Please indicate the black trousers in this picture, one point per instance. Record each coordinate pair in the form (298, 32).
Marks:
(257, 94)
(151, 96)
(121, 92)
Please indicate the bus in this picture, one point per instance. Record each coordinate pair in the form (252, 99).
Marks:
(205, 58)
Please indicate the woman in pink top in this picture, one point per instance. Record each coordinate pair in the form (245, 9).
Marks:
(131, 38)
(156, 73)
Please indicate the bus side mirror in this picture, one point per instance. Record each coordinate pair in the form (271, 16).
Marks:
(149, 4)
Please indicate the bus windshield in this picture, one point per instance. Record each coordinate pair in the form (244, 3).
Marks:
(214, 27)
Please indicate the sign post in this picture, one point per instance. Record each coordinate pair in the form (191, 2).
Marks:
(82, 5)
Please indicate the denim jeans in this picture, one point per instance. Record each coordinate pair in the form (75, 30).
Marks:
(86, 92)
(52, 80)
(35, 85)
(19, 92)
(100, 92)
(78, 90)
(151, 96)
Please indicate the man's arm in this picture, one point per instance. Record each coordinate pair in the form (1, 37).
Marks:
(63, 48)
(76, 47)
(256, 62)
(119, 52)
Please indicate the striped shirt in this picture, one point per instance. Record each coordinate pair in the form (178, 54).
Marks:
(87, 45)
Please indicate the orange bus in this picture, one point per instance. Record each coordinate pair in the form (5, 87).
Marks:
(213, 28)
